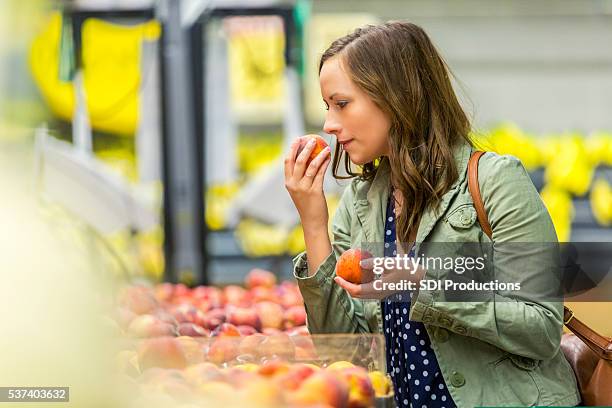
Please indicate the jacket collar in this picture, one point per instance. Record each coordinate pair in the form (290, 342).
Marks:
(371, 199)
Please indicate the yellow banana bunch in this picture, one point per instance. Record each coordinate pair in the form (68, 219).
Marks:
(601, 202)
(258, 239)
(508, 138)
(218, 200)
(561, 209)
(599, 148)
(570, 169)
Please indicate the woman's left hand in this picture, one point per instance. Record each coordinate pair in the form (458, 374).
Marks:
(378, 288)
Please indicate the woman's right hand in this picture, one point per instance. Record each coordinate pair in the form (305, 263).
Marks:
(305, 184)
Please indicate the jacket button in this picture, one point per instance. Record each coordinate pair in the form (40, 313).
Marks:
(457, 379)
(441, 335)
(465, 219)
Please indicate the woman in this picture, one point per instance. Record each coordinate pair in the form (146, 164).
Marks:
(393, 111)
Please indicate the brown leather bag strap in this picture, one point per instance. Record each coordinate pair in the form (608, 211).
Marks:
(601, 345)
(475, 193)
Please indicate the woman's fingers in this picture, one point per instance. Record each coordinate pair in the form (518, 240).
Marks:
(302, 159)
(352, 289)
(318, 180)
(362, 291)
(314, 166)
(290, 159)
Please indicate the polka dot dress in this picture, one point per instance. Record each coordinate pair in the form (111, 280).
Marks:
(411, 361)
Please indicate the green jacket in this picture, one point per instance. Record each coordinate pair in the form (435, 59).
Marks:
(490, 353)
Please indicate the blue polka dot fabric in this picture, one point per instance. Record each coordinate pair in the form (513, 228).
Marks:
(411, 361)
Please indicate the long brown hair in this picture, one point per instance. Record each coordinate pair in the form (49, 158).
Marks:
(398, 66)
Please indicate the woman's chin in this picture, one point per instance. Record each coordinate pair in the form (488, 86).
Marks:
(359, 160)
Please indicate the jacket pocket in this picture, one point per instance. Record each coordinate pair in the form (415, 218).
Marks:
(515, 380)
(462, 217)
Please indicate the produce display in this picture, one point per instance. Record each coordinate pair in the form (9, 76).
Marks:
(206, 346)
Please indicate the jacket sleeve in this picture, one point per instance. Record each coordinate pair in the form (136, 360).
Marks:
(329, 308)
(525, 322)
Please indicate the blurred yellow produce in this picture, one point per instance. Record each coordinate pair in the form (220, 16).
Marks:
(571, 168)
(218, 200)
(559, 205)
(507, 138)
(601, 202)
(112, 79)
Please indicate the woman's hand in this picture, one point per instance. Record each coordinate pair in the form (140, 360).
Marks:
(402, 272)
(305, 184)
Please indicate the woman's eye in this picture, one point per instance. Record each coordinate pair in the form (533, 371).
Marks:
(341, 104)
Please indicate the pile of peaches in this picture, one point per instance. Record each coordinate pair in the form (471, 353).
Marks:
(262, 306)
(233, 344)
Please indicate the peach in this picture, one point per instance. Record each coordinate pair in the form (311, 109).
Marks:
(321, 387)
(268, 331)
(250, 367)
(164, 352)
(260, 277)
(138, 299)
(277, 345)
(294, 377)
(246, 330)
(381, 383)
(273, 367)
(164, 292)
(340, 365)
(250, 345)
(222, 350)
(192, 330)
(348, 267)
(239, 377)
(235, 295)
(188, 313)
(239, 316)
(290, 296)
(192, 348)
(182, 290)
(166, 317)
(270, 314)
(213, 318)
(150, 326)
(262, 394)
(261, 293)
(304, 347)
(361, 391)
(304, 353)
(320, 144)
(214, 296)
(294, 316)
(226, 330)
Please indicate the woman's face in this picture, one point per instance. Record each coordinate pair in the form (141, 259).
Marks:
(358, 124)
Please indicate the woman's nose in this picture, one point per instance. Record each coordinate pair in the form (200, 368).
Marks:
(331, 126)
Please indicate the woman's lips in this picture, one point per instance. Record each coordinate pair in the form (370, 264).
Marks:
(346, 143)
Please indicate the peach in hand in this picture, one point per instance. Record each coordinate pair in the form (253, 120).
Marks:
(320, 144)
(348, 266)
